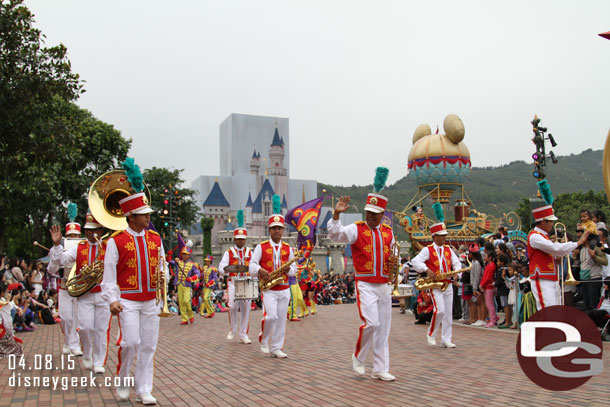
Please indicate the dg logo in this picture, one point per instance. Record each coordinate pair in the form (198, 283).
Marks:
(560, 348)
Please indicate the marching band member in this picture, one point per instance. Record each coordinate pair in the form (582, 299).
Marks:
(438, 258)
(129, 286)
(67, 305)
(93, 313)
(187, 274)
(238, 254)
(371, 243)
(540, 251)
(209, 276)
(274, 255)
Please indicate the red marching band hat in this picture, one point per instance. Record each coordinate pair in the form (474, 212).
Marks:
(544, 213)
(72, 228)
(240, 233)
(438, 229)
(276, 220)
(376, 203)
(136, 204)
(91, 222)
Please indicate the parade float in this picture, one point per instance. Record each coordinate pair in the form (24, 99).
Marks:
(439, 164)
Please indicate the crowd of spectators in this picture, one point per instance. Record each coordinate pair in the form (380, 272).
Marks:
(498, 283)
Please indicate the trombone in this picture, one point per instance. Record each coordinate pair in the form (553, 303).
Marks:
(570, 280)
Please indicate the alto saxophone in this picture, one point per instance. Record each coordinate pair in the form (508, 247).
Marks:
(275, 277)
(428, 283)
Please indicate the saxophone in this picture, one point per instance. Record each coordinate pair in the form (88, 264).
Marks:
(428, 283)
(275, 277)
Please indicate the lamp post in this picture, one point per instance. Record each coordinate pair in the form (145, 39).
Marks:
(170, 196)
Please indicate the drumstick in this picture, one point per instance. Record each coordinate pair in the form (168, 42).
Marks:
(41, 246)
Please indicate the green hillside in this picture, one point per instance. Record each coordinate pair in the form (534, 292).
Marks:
(496, 190)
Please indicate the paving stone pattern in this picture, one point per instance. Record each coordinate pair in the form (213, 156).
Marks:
(195, 365)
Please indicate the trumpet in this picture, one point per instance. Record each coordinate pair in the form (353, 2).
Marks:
(161, 287)
(393, 265)
(570, 280)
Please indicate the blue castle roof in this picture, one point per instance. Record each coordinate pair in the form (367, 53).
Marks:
(329, 215)
(277, 141)
(249, 203)
(216, 197)
(284, 203)
(257, 205)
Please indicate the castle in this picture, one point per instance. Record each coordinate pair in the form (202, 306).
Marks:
(254, 165)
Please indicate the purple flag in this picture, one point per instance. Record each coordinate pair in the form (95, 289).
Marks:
(388, 218)
(304, 218)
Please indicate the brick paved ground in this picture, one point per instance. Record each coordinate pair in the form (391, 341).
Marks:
(196, 365)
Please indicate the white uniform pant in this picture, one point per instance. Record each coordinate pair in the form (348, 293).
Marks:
(443, 313)
(93, 319)
(546, 292)
(139, 331)
(275, 307)
(243, 306)
(375, 308)
(68, 312)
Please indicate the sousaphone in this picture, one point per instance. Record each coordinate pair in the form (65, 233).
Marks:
(104, 196)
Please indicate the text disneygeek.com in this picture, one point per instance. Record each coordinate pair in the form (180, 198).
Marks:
(65, 382)
(21, 376)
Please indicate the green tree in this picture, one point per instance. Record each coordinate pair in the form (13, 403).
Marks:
(67, 153)
(50, 149)
(185, 210)
(207, 224)
(567, 208)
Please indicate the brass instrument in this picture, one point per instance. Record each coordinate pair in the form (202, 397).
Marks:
(275, 277)
(161, 287)
(393, 266)
(104, 196)
(88, 277)
(427, 283)
(570, 280)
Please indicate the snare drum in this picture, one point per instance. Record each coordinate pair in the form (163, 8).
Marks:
(246, 288)
(404, 290)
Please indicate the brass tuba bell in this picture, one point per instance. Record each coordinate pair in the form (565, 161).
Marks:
(104, 196)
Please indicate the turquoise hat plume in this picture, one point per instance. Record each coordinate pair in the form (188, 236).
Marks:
(438, 211)
(134, 175)
(381, 176)
(277, 204)
(545, 191)
(72, 211)
(240, 218)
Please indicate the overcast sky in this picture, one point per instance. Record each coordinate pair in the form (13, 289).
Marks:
(355, 78)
